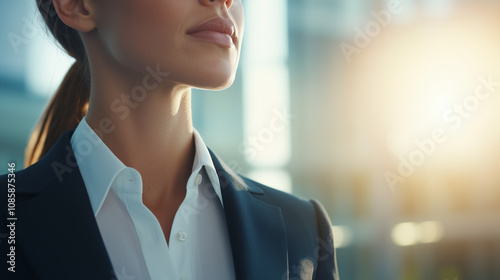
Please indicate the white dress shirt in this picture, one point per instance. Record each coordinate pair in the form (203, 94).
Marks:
(198, 245)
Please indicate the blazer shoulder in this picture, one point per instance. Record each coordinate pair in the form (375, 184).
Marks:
(312, 207)
(29, 180)
(48, 171)
(295, 209)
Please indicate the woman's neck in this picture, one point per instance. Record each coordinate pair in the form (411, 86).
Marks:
(147, 124)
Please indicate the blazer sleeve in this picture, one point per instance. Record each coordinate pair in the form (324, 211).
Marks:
(326, 256)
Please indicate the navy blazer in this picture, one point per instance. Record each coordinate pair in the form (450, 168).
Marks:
(273, 235)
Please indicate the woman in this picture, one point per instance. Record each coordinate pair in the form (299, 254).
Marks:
(121, 186)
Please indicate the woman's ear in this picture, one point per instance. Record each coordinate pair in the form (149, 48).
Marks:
(77, 14)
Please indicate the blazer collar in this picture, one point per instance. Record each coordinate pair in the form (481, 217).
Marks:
(58, 223)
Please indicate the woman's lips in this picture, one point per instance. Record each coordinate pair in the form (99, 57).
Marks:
(220, 31)
(220, 39)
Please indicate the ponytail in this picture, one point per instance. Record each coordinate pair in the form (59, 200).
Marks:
(69, 104)
(65, 110)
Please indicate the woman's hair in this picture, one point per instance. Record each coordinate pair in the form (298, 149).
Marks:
(69, 104)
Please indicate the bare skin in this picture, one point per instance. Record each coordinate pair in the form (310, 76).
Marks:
(155, 135)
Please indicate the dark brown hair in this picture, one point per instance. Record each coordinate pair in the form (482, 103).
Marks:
(69, 104)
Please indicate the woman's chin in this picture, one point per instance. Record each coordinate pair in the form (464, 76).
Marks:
(216, 74)
(211, 81)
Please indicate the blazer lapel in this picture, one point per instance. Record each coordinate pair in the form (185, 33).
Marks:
(57, 226)
(256, 229)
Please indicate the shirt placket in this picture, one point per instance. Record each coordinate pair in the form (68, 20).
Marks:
(182, 234)
(153, 244)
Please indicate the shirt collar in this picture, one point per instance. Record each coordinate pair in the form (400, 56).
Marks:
(202, 158)
(99, 167)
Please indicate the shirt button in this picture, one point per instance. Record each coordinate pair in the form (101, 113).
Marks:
(198, 180)
(181, 236)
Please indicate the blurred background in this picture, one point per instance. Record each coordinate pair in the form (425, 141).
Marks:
(387, 112)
